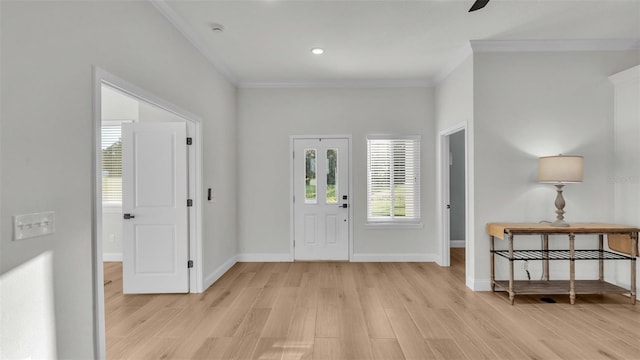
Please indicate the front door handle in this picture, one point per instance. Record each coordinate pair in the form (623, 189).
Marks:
(128, 216)
(344, 206)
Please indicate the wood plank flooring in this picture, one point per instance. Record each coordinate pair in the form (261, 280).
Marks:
(340, 310)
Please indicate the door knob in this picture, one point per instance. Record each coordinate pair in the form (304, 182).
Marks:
(344, 206)
(128, 216)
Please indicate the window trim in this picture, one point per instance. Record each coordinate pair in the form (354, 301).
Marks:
(396, 222)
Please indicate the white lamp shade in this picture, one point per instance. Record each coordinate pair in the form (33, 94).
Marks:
(560, 169)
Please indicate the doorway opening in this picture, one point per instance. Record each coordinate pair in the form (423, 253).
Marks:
(453, 201)
(119, 104)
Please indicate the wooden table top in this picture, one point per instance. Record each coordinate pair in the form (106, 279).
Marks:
(499, 229)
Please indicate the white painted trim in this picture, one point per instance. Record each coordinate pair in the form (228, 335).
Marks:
(394, 258)
(221, 270)
(108, 257)
(185, 29)
(291, 190)
(458, 243)
(286, 257)
(555, 45)
(374, 83)
(99, 338)
(632, 74)
(194, 126)
(457, 60)
(442, 183)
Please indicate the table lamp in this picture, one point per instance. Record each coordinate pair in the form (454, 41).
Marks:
(560, 170)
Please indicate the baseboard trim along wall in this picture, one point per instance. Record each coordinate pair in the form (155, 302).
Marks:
(458, 243)
(394, 258)
(217, 274)
(109, 257)
(265, 257)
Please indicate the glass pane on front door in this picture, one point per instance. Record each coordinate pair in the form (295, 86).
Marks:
(311, 183)
(332, 176)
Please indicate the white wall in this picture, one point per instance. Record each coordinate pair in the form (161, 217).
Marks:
(152, 113)
(626, 177)
(454, 97)
(532, 104)
(47, 53)
(267, 119)
(454, 106)
(118, 106)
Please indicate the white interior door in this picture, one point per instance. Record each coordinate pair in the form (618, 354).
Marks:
(154, 192)
(321, 199)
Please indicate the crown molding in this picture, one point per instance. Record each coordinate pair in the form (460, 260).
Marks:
(480, 46)
(323, 84)
(193, 38)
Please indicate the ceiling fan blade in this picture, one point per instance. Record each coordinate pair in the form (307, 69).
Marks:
(479, 4)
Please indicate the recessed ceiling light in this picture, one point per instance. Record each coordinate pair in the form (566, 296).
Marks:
(317, 51)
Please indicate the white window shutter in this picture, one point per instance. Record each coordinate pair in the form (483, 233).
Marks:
(393, 179)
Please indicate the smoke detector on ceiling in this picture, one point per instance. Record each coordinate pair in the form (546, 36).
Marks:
(216, 28)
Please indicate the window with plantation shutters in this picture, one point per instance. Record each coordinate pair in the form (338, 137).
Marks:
(112, 163)
(393, 179)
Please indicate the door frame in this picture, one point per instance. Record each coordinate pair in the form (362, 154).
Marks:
(292, 139)
(195, 163)
(442, 213)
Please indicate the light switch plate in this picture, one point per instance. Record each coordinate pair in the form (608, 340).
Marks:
(31, 225)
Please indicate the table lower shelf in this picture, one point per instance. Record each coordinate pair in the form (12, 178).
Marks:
(524, 287)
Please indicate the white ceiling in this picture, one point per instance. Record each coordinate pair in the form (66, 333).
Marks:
(269, 41)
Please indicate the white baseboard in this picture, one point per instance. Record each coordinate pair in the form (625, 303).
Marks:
(458, 243)
(265, 257)
(394, 258)
(213, 277)
(108, 257)
(479, 284)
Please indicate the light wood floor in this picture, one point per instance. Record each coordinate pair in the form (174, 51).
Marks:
(339, 310)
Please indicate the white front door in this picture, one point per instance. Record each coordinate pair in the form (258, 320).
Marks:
(154, 204)
(321, 199)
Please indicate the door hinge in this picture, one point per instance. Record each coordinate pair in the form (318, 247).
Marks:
(294, 199)
(189, 264)
(189, 202)
(189, 141)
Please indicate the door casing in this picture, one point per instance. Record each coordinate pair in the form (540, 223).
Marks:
(352, 200)
(444, 192)
(194, 130)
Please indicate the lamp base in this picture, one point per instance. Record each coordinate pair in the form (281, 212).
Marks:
(559, 208)
(560, 223)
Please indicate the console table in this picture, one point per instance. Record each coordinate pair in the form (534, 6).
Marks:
(572, 286)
